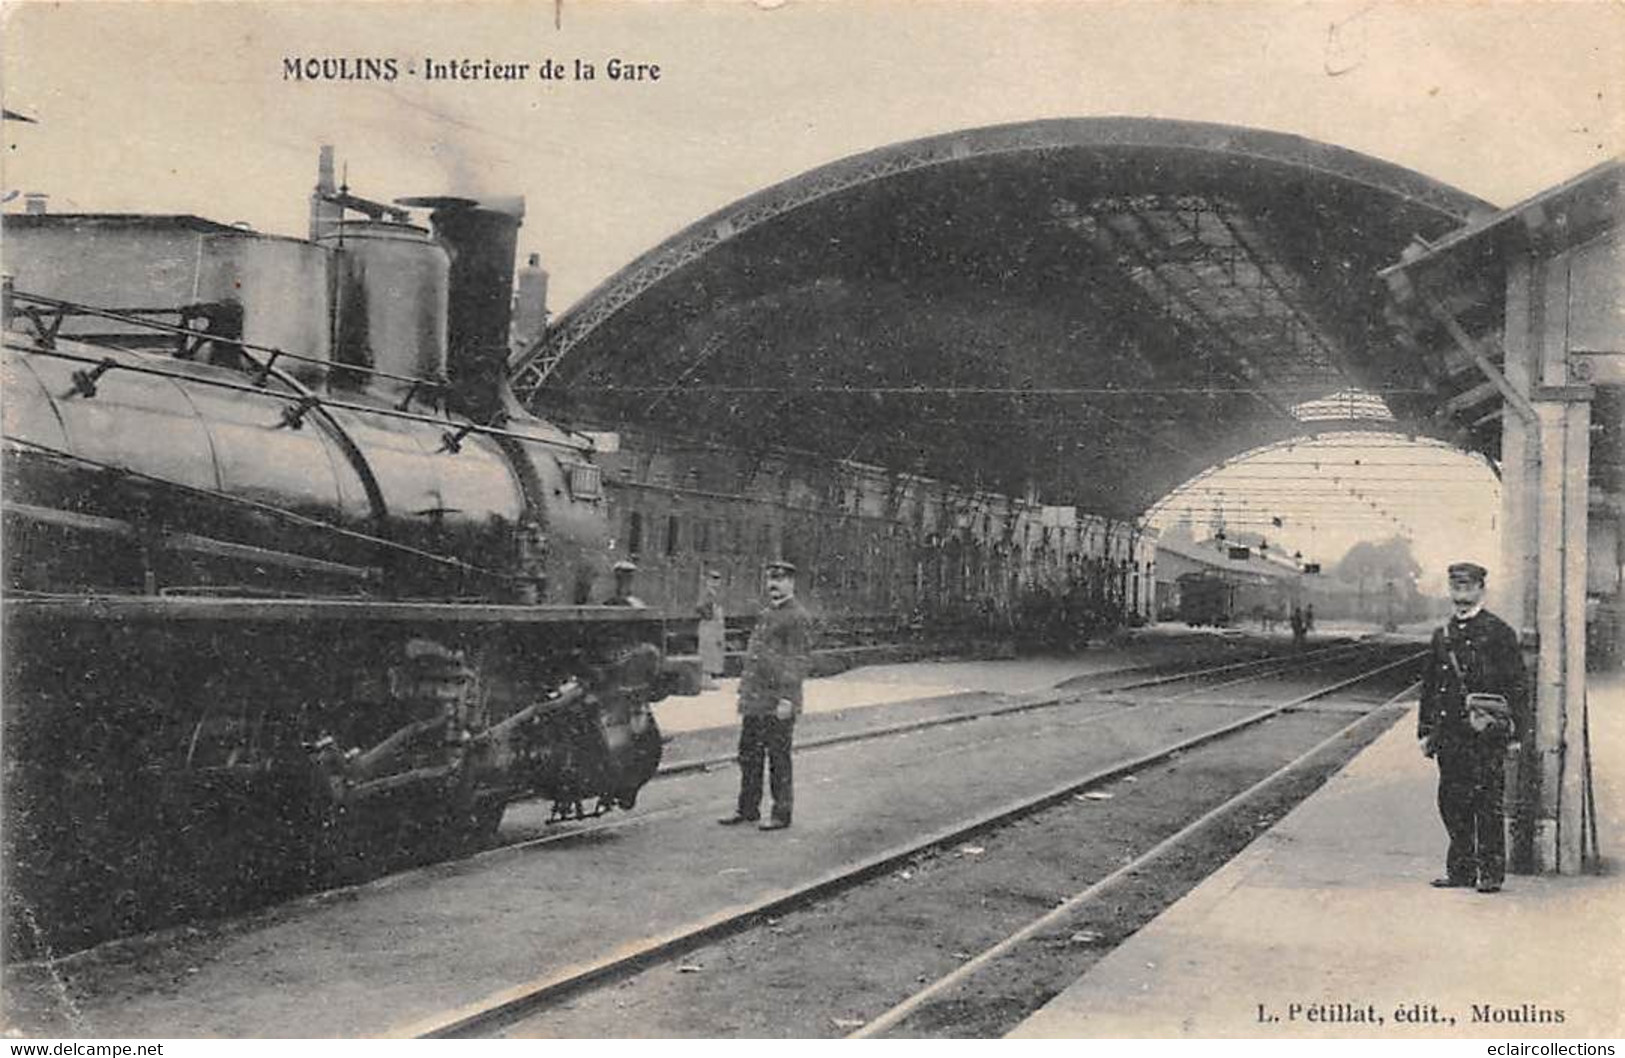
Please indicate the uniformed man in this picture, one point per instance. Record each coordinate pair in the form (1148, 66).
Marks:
(776, 662)
(713, 629)
(1474, 661)
(624, 572)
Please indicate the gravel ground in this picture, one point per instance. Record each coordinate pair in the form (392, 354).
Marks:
(698, 727)
(825, 970)
(379, 957)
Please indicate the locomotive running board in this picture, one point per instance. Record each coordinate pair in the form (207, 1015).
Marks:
(191, 608)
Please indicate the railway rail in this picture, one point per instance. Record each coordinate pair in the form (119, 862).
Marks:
(539, 832)
(1270, 665)
(692, 913)
(1070, 909)
(524, 834)
(1254, 669)
(506, 1009)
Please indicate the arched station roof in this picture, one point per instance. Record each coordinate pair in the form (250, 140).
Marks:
(1095, 309)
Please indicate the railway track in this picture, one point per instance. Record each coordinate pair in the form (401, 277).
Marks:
(1253, 669)
(568, 832)
(1074, 907)
(540, 832)
(564, 866)
(500, 1012)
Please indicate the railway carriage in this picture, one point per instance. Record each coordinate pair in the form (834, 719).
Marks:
(1206, 599)
(880, 552)
(1221, 598)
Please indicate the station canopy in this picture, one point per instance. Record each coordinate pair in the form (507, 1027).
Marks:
(1088, 311)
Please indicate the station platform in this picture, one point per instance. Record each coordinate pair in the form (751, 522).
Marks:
(874, 685)
(1325, 927)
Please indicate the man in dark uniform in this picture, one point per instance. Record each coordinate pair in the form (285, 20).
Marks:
(624, 572)
(770, 699)
(1474, 653)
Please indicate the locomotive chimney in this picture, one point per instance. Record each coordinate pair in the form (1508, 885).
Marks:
(481, 239)
(325, 214)
(530, 304)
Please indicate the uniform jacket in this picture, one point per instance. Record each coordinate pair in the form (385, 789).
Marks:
(1491, 662)
(777, 659)
(712, 634)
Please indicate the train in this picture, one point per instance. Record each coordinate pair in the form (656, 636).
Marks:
(1220, 598)
(1206, 599)
(288, 572)
(879, 549)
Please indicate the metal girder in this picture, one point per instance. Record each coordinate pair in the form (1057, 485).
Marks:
(1246, 237)
(1468, 398)
(1126, 250)
(1472, 348)
(712, 345)
(532, 367)
(1254, 316)
(1268, 314)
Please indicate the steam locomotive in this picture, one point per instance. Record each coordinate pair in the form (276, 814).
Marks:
(285, 562)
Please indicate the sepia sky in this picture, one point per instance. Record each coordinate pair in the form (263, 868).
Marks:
(183, 107)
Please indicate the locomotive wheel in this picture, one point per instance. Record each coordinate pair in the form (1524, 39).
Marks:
(456, 832)
(485, 821)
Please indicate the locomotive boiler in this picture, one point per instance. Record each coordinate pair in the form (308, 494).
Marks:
(285, 563)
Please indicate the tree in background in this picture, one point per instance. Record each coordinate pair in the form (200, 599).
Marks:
(1383, 576)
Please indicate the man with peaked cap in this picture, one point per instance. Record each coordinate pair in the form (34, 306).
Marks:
(776, 662)
(1473, 704)
(624, 572)
(713, 628)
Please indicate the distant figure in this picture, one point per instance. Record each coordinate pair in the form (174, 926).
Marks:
(1298, 627)
(1472, 697)
(776, 662)
(713, 628)
(624, 572)
(1308, 619)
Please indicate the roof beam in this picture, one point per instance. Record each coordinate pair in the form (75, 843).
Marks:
(1465, 343)
(1239, 351)
(1121, 248)
(1468, 398)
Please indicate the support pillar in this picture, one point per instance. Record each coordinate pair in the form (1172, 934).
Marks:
(1512, 584)
(1560, 625)
(1545, 470)
(1563, 332)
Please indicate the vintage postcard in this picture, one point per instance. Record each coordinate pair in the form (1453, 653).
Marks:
(458, 454)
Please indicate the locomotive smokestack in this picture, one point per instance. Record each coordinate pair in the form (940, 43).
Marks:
(325, 214)
(530, 304)
(481, 239)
